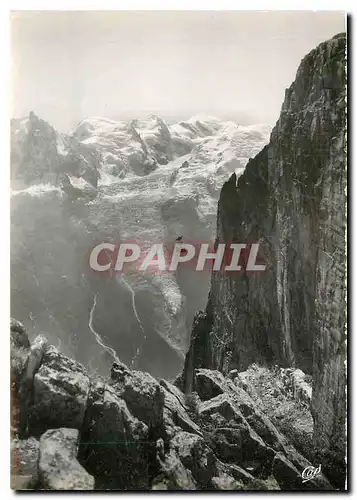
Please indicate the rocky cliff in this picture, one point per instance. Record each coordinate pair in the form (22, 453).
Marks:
(291, 199)
(127, 431)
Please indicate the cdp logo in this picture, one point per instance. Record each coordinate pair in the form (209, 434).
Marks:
(310, 473)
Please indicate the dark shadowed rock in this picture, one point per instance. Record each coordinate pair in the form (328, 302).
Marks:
(289, 474)
(173, 475)
(195, 456)
(114, 443)
(174, 391)
(242, 446)
(319, 482)
(208, 384)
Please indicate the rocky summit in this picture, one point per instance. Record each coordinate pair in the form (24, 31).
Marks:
(128, 431)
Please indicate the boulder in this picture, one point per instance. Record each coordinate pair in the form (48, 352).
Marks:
(58, 465)
(60, 392)
(144, 397)
(208, 383)
(24, 464)
(114, 443)
(195, 456)
(174, 475)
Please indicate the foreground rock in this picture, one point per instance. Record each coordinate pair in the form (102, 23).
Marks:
(131, 432)
(239, 433)
(58, 466)
(175, 412)
(173, 475)
(114, 443)
(60, 392)
(24, 464)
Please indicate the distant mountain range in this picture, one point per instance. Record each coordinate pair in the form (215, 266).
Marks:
(110, 180)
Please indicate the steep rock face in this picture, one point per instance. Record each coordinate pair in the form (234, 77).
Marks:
(291, 199)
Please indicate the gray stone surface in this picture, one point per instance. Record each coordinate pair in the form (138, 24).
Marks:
(58, 465)
(60, 392)
(24, 463)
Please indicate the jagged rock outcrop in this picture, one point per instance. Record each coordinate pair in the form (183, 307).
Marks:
(82, 432)
(41, 154)
(291, 199)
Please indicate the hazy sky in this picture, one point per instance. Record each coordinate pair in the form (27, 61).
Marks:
(70, 65)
